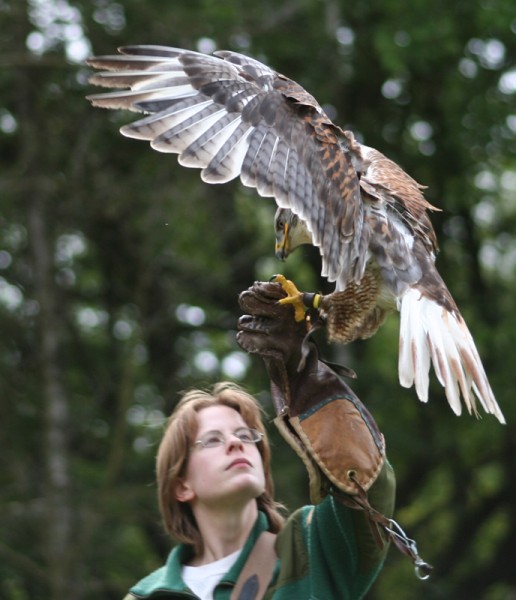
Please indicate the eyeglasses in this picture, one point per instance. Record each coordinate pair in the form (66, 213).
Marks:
(212, 439)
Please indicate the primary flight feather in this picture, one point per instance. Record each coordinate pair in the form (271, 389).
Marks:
(232, 116)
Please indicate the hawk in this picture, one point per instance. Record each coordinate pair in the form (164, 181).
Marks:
(233, 116)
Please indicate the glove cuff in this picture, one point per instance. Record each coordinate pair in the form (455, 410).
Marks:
(338, 444)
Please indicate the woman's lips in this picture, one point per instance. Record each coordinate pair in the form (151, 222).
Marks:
(239, 462)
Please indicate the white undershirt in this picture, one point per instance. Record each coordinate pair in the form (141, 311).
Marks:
(202, 580)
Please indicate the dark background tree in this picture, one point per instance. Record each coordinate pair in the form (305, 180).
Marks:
(120, 270)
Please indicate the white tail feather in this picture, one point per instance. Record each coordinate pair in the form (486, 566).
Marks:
(428, 332)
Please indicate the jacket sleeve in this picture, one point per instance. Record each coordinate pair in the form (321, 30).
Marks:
(344, 453)
(328, 550)
(342, 541)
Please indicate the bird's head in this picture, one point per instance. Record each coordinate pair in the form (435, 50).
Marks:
(290, 231)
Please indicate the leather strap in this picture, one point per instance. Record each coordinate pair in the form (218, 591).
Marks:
(256, 575)
(390, 528)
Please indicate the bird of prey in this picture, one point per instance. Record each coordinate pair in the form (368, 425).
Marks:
(233, 116)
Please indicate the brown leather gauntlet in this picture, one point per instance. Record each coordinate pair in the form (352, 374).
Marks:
(317, 413)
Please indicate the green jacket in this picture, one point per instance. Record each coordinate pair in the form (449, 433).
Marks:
(325, 552)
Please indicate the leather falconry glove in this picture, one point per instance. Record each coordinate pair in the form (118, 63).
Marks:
(318, 414)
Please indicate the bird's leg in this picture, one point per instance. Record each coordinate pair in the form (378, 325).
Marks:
(300, 301)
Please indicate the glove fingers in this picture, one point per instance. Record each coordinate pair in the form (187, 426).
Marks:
(259, 344)
(262, 299)
(268, 328)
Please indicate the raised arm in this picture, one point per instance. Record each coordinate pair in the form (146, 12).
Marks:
(330, 429)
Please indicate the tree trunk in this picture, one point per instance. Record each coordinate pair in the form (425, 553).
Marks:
(56, 408)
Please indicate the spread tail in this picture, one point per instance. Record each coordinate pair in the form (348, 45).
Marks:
(431, 334)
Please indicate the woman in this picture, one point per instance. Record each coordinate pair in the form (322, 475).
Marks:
(216, 498)
(215, 487)
(214, 477)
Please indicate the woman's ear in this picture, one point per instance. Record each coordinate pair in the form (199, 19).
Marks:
(183, 492)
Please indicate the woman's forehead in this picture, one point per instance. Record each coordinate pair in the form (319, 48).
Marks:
(219, 417)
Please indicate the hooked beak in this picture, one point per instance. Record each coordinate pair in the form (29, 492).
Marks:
(281, 249)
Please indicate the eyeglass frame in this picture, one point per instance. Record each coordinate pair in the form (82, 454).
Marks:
(257, 437)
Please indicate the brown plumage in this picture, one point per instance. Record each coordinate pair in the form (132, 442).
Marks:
(232, 116)
(354, 313)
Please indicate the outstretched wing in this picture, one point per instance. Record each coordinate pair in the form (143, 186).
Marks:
(231, 116)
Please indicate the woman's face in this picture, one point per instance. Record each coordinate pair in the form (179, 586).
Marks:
(224, 475)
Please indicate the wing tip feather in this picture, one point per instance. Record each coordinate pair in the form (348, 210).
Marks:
(427, 327)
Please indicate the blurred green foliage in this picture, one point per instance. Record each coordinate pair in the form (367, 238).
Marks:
(120, 271)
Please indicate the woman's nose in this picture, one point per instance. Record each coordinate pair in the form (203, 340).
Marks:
(234, 442)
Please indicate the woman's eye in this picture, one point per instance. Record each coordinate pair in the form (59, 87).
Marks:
(213, 439)
(244, 435)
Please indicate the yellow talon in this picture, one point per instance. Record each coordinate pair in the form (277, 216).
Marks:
(294, 297)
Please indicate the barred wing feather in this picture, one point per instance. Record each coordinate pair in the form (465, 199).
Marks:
(231, 116)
